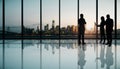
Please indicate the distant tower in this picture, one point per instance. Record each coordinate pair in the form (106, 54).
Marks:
(53, 24)
(37, 30)
(47, 26)
(8, 29)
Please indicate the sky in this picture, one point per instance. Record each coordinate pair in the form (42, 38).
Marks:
(50, 11)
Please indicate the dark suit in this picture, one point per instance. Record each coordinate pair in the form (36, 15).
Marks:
(81, 28)
(102, 31)
(109, 29)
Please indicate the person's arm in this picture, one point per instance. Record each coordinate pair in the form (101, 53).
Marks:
(97, 25)
(112, 24)
(84, 21)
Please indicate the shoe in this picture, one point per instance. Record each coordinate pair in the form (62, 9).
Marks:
(103, 43)
(110, 44)
(79, 42)
(106, 43)
(83, 43)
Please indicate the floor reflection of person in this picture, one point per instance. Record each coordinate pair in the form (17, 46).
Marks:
(109, 57)
(81, 57)
(53, 48)
(102, 56)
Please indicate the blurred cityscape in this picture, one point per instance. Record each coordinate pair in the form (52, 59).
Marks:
(48, 30)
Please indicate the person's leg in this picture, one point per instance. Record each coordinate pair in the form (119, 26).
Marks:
(79, 38)
(110, 39)
(107, 38)
(82, 38)
(83, 42)
(101, 37)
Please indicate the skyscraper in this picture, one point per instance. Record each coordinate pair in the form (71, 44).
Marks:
(53, 24)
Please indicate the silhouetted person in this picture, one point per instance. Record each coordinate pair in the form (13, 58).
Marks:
(81, 28)
(109, 29)
(102, 30)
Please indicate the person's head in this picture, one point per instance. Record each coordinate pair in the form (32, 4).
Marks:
(102, 18)
(81, 15)
(108, 16)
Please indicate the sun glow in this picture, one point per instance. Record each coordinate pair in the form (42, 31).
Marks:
(89, 27)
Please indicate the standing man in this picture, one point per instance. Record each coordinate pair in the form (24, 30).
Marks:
(81, 28)
(109, 29)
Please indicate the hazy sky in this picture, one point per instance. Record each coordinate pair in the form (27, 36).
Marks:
(51, 11)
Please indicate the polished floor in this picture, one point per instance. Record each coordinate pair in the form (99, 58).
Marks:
(58, 54)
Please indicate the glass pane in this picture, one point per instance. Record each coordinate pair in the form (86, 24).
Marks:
(68, 18)
(106, 7)
(31, 18)
(50, 18)
(118, 19)
(12, 18)
(88, 9)
(1, 19)
(12, 56)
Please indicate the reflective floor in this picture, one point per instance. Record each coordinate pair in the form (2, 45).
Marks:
(58, 54)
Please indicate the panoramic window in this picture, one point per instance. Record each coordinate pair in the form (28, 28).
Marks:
(50, 19)
(106, 7)
(1, 19)
(118, 19)
(68, 18)
(88, 9)
(31, 19)
(53, 24)
(12, 18)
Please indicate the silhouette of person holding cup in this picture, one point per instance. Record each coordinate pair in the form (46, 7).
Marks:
(81, 28)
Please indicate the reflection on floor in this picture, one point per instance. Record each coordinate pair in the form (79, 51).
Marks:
(58, 54)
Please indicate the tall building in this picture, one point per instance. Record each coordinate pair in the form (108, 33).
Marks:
(37, 31)
(53, 24)
(46, 27)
